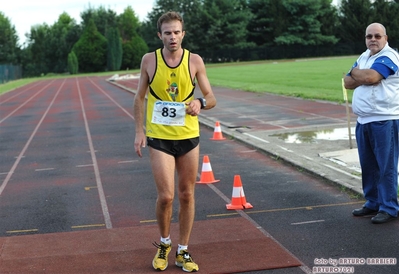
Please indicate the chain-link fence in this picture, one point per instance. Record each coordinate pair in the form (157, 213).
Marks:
(10, 72)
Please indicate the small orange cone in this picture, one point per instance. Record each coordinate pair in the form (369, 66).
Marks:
(238, 200)
(206, 173)
(217, 133)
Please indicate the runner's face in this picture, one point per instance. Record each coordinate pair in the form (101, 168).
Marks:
(172, 35)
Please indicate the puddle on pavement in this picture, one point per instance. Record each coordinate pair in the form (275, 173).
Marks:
(313, 136)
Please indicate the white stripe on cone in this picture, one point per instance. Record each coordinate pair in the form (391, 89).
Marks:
(238, 192)
(206, 167)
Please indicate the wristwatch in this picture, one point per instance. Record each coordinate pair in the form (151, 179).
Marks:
(203, 102)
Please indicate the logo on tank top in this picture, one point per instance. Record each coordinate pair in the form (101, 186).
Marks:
(172, 89)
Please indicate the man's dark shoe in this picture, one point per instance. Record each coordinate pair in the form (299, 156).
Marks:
(364, 211)
(382, 217)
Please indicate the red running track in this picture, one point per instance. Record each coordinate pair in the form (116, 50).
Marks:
(61, 142)
(68, 165)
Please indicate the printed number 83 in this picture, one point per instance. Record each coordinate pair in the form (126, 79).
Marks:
(169, 112)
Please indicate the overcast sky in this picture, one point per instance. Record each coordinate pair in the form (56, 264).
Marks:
(26, 13)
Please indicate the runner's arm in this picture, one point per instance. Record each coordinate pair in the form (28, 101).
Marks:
(203, 81)
(138, 105)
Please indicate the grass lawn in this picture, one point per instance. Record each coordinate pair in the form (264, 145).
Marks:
(317, 78)
(15, 84)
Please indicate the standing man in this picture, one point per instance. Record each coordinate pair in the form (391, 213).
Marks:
(375, 79)
(172, 131)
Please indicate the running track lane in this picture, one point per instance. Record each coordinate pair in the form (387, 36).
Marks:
(67, 153)
(45, 176)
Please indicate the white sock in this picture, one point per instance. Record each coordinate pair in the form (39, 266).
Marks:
(166, 240)
(181, 247)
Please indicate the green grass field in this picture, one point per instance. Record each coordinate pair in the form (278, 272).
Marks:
(318, 79)
(315, 79)
(15, 84)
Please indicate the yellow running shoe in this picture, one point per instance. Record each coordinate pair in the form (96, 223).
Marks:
(185, 261)
(160, 261)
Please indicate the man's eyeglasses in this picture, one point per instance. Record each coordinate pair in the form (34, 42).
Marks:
(377, 36)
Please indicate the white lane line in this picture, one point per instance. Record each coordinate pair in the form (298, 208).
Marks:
(341, 171)
(248, 151)
(219, 193)
(286, 149)
(33, 96)
(5, 182)
(308, 222)
(103, 201)
(44, 169)
(22, 231)
(127, 162)
(85, 165)
(87, 226)
(116, 103)
(306, 157)
(257, 138)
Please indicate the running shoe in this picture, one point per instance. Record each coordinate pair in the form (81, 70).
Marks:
(185, 261)
(160, 261)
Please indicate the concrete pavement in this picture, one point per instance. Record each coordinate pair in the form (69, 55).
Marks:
(331, 160)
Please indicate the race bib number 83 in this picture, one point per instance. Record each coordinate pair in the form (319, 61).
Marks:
(169, 113)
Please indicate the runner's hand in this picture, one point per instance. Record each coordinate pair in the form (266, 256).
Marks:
(139, 143)
(193, 108)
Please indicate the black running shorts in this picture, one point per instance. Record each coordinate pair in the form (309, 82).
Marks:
(175, 148)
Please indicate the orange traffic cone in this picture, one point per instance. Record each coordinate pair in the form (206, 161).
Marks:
(207, 174)
(238, 200)
(217, 133)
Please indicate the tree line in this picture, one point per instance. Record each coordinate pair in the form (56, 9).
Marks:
(219, 30)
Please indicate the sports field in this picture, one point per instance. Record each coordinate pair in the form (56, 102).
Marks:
(318, 79)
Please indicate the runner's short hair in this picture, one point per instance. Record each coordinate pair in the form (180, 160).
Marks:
(168, 17)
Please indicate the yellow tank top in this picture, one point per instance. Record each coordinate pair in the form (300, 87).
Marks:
(171, 85)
